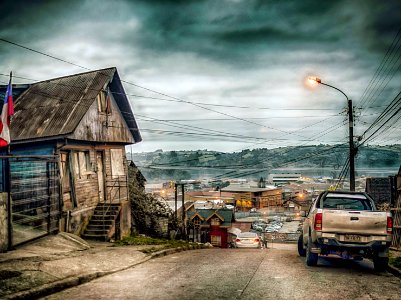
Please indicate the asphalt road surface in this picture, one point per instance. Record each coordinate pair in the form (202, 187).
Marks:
(273, 273)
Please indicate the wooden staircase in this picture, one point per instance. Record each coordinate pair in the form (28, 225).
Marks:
(102, 225)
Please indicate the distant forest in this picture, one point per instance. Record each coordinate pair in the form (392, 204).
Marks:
(324, 160)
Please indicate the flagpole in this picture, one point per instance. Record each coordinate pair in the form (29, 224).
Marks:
(8, 190)
(8, 146)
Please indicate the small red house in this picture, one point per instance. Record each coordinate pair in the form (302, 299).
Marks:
(210, 225)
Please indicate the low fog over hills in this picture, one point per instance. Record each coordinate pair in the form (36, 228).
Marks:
(320, 160)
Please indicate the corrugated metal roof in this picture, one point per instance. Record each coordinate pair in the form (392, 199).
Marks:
(226, 214)
(55, 107)
(247, 189)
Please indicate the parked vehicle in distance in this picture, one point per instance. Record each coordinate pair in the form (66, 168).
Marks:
(346, 224)
(259, 225)
(247, 240)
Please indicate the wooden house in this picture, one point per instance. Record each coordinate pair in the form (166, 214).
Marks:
(210, 225)
(247, 197)
(85, 120)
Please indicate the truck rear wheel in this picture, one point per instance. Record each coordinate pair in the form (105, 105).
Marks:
(311, 258)
(380, 263)
(301, 250)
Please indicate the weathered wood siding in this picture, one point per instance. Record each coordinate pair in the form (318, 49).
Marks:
(102, 127)
(116, 185)
(84, 196)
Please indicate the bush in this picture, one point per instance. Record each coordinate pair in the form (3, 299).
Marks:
(148, 213)
(395, 261)
(145, 240)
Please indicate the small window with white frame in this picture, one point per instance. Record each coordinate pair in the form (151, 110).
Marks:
(117, 163)
(215, 240)
(82, 164)
(104, 101)
(215, 221)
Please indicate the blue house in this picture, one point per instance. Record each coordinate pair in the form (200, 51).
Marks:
(83, 121)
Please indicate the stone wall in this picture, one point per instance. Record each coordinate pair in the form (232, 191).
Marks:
(3, 223)
(125, 219)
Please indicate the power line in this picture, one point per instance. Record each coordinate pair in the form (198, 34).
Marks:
(148, 89)
(42, 53)
(380, 127)
(390, 50)
(343, 173)
(395, 103)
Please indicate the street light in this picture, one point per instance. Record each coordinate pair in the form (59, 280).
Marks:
(315, 80)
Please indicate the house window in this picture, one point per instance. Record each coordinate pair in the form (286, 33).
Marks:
(215, 221)
(117, 165)
(215, 240)
(82, 164)
(104, 102)
(64, 171)
(196, 221)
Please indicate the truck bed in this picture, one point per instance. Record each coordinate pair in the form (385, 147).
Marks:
(354, 222)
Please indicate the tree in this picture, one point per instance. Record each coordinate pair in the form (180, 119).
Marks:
(147, 211)
(262, 183)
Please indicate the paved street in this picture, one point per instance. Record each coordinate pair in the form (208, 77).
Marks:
(274, 273)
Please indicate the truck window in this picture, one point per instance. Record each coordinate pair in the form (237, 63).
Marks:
(346, 203)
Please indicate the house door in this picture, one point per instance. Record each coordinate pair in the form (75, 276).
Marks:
(65, 174)
(100, 175)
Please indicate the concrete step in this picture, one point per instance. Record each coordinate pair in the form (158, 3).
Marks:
(105, 213)
(88, 236)
(101, 222)
(102, 211)
(96, 232)
(114, 206)
(101, 218)
(98, 227)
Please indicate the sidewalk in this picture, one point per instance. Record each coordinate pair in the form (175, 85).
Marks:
(61, 261)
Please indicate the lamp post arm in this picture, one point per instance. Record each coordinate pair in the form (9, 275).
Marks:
(335, 89)
(351, 134)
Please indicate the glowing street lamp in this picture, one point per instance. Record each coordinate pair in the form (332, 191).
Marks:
(315, 80)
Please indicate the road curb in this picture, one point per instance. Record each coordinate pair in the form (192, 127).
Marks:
(58, 286)
(393, 270)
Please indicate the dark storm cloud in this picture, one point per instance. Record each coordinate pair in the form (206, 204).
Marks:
(233, 32)
(227, 52)
(211, 28)
(27, 20)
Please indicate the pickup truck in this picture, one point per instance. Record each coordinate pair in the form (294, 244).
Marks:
(346, 224)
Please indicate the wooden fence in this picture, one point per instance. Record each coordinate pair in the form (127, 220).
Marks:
(396, 211)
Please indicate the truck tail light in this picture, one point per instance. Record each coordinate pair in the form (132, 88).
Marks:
(318, 221)
(389, 225)
(256, 240)
(237, 240)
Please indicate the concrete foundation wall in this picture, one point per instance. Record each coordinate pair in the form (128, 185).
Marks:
(75, 221)
(125, 219)
(3, 223)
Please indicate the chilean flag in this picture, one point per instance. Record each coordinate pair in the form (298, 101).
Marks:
(7, 112)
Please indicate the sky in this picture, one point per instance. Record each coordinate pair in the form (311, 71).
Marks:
(222, 75)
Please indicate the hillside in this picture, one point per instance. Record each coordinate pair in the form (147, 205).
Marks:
(319, 160)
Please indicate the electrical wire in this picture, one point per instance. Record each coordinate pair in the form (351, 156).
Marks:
(373, 82)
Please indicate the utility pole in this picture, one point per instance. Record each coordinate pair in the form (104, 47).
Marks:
(183, 213)
(352, 151)
(351, 147)
(175, 200)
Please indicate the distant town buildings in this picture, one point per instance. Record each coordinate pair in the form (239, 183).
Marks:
(283, 178)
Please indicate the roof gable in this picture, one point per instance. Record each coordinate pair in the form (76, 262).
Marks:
(55, 107)
(225, 215)
(217, 215)
(195, 215)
